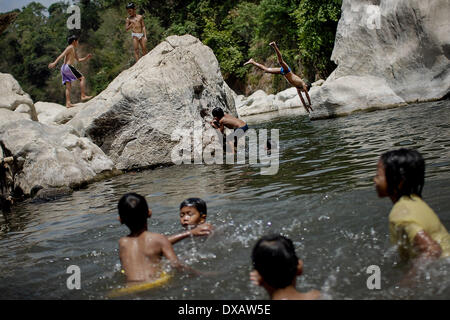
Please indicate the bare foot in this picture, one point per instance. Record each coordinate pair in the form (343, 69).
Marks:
(69, 105)
(249, 61)
(86, 98)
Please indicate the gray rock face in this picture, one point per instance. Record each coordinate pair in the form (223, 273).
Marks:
(50, 156)
(388, 52)
(12, 96)
(55, 114)
(134, 118)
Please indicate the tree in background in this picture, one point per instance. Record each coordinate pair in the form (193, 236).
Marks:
(234, 29)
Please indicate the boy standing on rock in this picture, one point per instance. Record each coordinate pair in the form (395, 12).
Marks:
(68, 72)
(292, 78)
(135, 22)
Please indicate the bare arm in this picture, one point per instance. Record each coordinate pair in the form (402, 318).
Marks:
(303, 100)
(62, 55)
(201, 230)
(143, 27)
(127, 24)
(428, 249)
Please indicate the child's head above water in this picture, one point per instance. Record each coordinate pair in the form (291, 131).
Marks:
(275, 260)
(400, 173)
(134, 212)
(192, 212)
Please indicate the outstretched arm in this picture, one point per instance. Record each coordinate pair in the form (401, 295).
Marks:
(201, 230)
(53, 64)
(303, 100)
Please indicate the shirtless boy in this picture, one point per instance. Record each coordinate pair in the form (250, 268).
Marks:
(222, 120)
(135, 22)
(141, 251)
(292, 78)
(68, 72)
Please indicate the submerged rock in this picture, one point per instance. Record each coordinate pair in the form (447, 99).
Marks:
(134, 118)
(388, 52)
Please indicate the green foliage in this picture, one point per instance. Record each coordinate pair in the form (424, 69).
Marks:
(235, 30)
(317, 22)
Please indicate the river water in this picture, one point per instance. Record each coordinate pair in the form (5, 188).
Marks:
(323, 198)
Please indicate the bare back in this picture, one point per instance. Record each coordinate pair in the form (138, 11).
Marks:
(232, 122)
(296, 81)
(141, 256)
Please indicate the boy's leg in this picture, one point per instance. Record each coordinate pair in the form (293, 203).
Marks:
(143, 43)
(279, 56)
(83, 89)
(68, 88)
(136, 48)
(263, 67)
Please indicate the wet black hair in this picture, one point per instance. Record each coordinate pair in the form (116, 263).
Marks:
(405, 167)
(72, 38)
(131, 5)
(197, 203)
(274, 257)
(218, 113)
(133, 211)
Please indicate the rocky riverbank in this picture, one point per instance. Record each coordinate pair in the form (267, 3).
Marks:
(51, 149)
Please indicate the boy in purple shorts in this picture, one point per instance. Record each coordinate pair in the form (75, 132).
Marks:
(69, 73)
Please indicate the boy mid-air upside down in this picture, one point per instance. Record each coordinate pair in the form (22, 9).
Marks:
(292, 78)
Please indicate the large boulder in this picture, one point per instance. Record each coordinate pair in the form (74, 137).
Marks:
(50, 156)
(388, 52)
(133, 119)
(12, 96)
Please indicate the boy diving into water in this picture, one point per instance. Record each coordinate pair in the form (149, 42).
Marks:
(68, 72)
(135, 22)
(292, 78)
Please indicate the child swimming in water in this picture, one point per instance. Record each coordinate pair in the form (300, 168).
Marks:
(413, 225)
(292, 78)
(277, 267)
(192, 218)
(68, 72)
(135, 22)
(141, 251)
